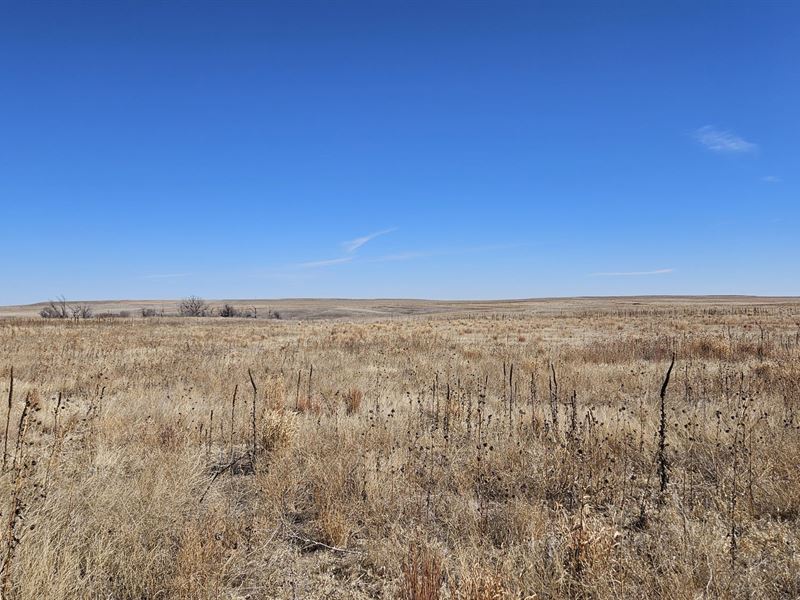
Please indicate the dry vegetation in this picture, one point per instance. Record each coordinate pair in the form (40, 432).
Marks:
(460, 456)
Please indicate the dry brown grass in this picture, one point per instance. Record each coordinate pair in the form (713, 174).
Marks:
(423, 457)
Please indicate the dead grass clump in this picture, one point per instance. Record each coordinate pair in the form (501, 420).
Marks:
(471, 354)
(170, 436)
(707, 348)
(480, 585)
(274, 392)
(352, 400)
(591, 546)
(335, 527)
(422, 574)
(307, 404)
(278, 431)
(203, 549)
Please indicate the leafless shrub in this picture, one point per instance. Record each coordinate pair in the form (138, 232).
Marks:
(50, 312)
(109, 314)
(194, 306)
(228, 310)
(81, 311)
(59, 309)
(56, 309)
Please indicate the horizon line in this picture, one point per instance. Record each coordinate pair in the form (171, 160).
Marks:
(418, 299)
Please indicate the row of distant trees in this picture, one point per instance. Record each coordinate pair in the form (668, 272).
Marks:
(191, 306)
(59, 309)
(194, 306)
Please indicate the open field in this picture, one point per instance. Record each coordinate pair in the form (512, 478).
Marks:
(405, 449)
(314, 308)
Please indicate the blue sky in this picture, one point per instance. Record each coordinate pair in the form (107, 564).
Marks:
(398, 149)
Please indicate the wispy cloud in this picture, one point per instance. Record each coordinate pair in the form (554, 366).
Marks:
(166, 276)
(350, 247)
(353, 245)
(403, 256)
(771, 179)
(632, 273)
(325, 263)
(719, 140)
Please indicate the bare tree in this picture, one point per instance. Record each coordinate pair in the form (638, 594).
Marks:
(229, 310)
(194, 306)
(81, 311)
(57, 309)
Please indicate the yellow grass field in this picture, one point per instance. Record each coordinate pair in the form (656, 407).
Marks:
(400, 449)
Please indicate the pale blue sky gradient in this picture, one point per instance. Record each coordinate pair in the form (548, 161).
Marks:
(398, 149)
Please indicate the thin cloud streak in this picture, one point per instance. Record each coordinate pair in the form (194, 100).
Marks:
(350, 247)
(632, 273)
(325, 263)
(403, 256)
(718, 140)
(771, 179)
(353, 245)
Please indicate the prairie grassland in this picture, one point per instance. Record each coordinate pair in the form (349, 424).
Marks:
(460, 456)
